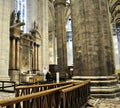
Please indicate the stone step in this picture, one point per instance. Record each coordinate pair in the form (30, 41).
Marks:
(101, 86)
(100, 95)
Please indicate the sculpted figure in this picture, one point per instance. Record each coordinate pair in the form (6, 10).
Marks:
(18, 17)
(35, 26)
(12, 17)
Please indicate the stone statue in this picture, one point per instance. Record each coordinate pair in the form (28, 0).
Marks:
(12, 17)
(18, 17)
(35, 26)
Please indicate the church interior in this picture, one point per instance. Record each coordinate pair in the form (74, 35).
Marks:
(76, 42)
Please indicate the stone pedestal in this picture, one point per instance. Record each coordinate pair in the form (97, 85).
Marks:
(15, 76)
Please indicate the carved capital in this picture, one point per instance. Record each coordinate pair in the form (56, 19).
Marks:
(60, 2)
(12, 37)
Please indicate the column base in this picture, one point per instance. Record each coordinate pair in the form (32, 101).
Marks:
(4, 78)
(101, 86)
(15, 76)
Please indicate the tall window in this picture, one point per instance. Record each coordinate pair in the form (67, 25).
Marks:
(116, 44)
(20, 5)
(69, 42)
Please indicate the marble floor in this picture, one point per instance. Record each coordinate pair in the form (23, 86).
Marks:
(5, 95)
(104, 102)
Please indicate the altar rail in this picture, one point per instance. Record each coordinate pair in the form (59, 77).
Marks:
(24, 90)
(75, 96)
(52, 98)
(7, 86)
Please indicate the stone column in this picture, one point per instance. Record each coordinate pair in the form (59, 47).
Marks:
(14, 69)
(55, 53)
(35, 57)
(60, 8)
(38, 57)
(52, 48)
(13, 53)
(12, 6)
(52, 52)
(31, 14)
(4, 38)
(92, 46)
(43, 29)
(92, 41)
(17, 54)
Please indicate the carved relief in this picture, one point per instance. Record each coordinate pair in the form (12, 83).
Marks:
(25, 57)
(26, 52)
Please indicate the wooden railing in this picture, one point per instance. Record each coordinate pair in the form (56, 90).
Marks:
(24, 90)
(44, 99)
(7, 86)
(75, 96)
(67, 96)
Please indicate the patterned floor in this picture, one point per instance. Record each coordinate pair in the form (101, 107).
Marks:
(5, 95)
(104, 102)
